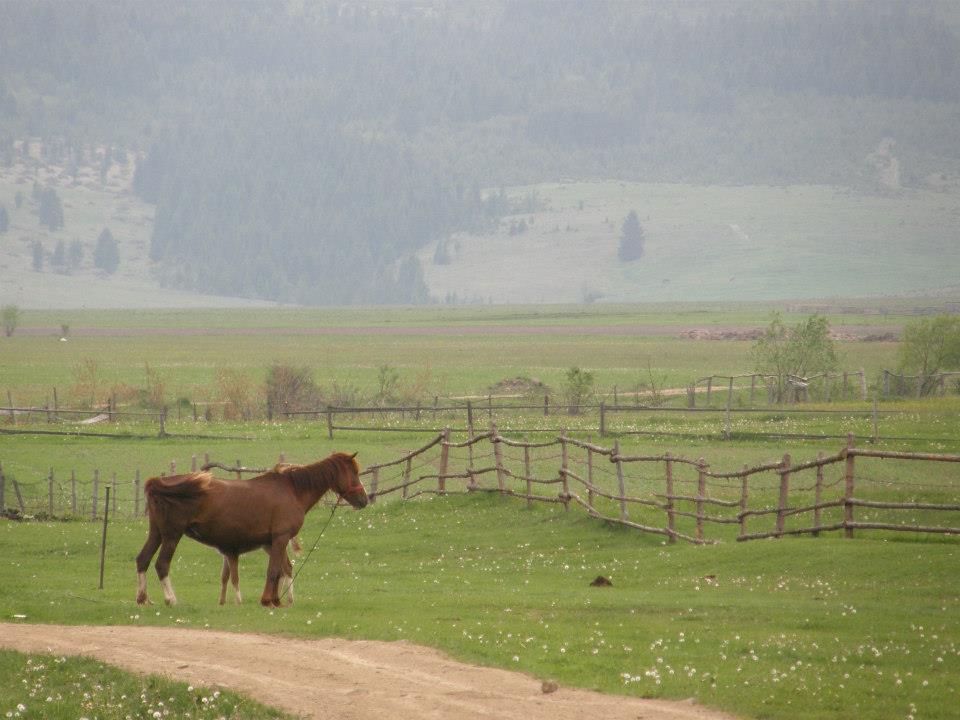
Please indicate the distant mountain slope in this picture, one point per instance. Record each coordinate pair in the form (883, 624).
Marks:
(702, 243)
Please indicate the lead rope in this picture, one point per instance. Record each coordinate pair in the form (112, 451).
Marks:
(315, 543)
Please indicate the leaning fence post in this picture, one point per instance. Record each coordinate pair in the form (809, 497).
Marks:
(497, 455)
(406, 477)
(16, 489)
(526, 473)
(620, 482)
(50, 493)
(848, 489)
(590, 478)
(444, 461)
(818, 496)
(744, 495)
(671, 520)
(103, 538)
(73, 492)
(96, 494)
(563, 470)
(136, 495)
(784, 494)
(701, 494)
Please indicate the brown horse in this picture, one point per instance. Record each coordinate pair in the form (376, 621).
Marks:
(236, 516)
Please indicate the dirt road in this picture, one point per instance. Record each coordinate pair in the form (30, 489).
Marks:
(338, 679)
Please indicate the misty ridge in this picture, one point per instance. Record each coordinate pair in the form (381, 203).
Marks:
(322, 153)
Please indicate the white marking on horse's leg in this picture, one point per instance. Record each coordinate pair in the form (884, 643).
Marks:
(168, 596)
(142, 598)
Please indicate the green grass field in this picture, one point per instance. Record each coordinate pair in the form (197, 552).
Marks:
(814, 628)
(793, 628)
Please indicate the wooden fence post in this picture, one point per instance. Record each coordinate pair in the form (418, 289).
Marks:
(564, 460)
(726, 418)
(590, 478)
(671, 518)
(173, 467)
(239, 474)
(784, 494)
(620, 482)
(73, 492)
(876, 429)
(709, 389)
(408, 468)
(136, 494)
(50, 493)
(329, 423)
(692, 397)
(546, 405)
(163, 422)
(374, 482)
(603, 418)
(193, 463)
(846, 384)
(16, 489)
(886, 383)
(469, 419)
(444, 462)
(753, 387)
(96, 494)
(818, 496)
(103, 539)
(701, 493)
(13, 416)
(848, 488)
(744, 495)
(526, 473)
(863, 385)
(56, 405)
(497, 455)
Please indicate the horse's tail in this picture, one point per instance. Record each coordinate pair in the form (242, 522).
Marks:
(182, 490)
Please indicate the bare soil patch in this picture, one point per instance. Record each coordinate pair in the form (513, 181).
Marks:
(339, 679)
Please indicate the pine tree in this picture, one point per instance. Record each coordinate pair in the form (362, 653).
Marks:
(50, 208)
(75, 255)
(59, 258)
(4, 219)
(106, 254)
(631, 238)
(36, 250)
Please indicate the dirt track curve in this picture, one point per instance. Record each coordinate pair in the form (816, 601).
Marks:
(339, 679)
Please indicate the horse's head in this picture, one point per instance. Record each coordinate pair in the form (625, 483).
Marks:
(348, 485)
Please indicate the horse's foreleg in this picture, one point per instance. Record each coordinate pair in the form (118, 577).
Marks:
(167, 548)
(143, 562)
(224, 576)
(271, 591)
(235, 575)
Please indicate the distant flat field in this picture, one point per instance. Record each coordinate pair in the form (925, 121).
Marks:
(706, 242)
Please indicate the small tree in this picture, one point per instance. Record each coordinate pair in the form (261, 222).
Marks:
(106, 254)
(289, 389)
(50, 209)
(11, 318)
(930, 345)
(631, 238)
(59, 258)
(784, 353)
(74, 255)
(36, 251)
(578, 389)
(4, 219)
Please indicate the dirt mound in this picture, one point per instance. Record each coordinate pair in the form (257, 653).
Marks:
(520, 385)
(339, 679)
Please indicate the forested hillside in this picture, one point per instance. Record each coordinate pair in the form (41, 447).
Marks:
(305, 151)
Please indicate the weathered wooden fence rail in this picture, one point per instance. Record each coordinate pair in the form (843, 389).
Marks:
(663, 494)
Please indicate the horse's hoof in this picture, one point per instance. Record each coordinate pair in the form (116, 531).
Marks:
(170, 601)
(142, 599)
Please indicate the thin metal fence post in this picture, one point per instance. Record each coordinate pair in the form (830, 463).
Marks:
(848, 488)
(103, 538)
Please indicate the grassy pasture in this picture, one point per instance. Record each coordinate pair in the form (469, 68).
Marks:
(819, 628)
(65, 688)
(799, 627)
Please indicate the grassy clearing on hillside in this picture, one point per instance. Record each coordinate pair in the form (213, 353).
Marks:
(813, 628)
(45, 687)
(707, 242)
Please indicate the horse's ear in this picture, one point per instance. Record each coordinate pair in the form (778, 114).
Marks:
(353, 456)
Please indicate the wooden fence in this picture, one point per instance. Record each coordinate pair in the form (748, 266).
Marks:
(664, 494)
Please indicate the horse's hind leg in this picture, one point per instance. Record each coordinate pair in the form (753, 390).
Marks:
(143, 562)
(231, 571)
(224, 576)
(167, 548)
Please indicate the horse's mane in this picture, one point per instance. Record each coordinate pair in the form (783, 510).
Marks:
(322, 473)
